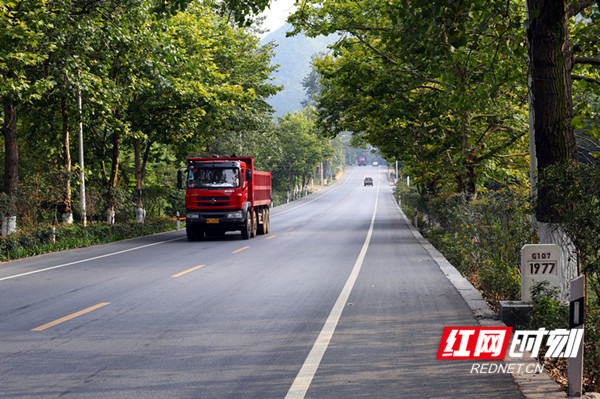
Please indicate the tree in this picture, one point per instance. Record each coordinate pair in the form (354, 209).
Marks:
(552, 98)
(302, 148)
(23, 46)
(552, 63)
(207, 80)
(551, 59)
(440, 81)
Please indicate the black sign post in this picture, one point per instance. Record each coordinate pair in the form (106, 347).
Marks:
(575, 367)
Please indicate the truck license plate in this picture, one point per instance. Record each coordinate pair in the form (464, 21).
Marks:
(212, 221)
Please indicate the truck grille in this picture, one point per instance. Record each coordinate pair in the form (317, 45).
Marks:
(213, 201)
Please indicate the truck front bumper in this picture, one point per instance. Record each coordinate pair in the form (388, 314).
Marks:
(216, 220)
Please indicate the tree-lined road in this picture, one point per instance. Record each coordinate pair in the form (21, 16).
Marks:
(338, 301)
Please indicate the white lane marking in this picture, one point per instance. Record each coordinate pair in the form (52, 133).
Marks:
(87, 260)
(313, 200)
(313, 360)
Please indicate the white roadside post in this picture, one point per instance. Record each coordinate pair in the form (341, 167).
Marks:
(82, 187)
(576, 321)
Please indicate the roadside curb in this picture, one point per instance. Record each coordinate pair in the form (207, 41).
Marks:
(531, 385)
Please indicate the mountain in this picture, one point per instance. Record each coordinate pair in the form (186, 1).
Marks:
(294, 57)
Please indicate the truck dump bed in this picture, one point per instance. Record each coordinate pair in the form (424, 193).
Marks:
(261, 188)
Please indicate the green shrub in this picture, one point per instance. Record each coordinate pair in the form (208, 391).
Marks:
(38, 241)
(482, 238)
(547, 312)
(591, 355)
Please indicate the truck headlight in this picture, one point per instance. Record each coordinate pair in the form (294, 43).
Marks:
(235, 215)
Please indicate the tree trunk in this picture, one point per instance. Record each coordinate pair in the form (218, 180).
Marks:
(552, 107)
(140, 166)
(67, 210)
(113, 179)
(11, 161)
(289, 184)
(551, 63)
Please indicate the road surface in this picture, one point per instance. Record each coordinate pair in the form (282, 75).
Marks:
(338, 301)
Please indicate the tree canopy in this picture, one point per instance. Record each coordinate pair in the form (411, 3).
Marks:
(180, 75)
(440, 86)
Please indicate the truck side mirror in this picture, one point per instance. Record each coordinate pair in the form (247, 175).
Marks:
(248, 174)
(180, 179)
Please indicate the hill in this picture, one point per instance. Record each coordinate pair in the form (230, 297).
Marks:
(294, 55)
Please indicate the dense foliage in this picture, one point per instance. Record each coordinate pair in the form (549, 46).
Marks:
(158, 81)
(441, 88)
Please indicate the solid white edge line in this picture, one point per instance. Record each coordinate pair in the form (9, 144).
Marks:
(86, 260)
(313, 360)
(313, 200)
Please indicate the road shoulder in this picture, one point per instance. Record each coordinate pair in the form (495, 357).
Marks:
(532, 386)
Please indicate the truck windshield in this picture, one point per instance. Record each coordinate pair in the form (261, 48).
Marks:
(213, 178)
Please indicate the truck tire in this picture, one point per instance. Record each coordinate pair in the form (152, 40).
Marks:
(267, 221)
(262, 227)
(254, 224)
(247, 229)
(194, 233)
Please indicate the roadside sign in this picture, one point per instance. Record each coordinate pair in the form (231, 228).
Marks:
(540, 262)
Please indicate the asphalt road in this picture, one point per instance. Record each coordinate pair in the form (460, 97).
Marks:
(338, 301)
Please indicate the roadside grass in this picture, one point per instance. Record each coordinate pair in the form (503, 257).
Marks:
(39, 241)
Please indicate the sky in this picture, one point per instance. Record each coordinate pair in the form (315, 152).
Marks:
(277, 14)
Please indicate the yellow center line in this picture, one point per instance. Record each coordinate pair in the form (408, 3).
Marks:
(303, 223)
(273, 236)
(69, 317)
(314, 219)
(322, 214)
(187, 271)
(240, 250)
(291, 228)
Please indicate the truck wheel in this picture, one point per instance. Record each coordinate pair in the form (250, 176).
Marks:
(262, 227)
(193, 233)
(254, 224)
(267, 221)
(247, 229)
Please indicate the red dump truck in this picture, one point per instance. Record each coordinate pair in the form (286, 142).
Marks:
(225, 194)
(362, 160)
